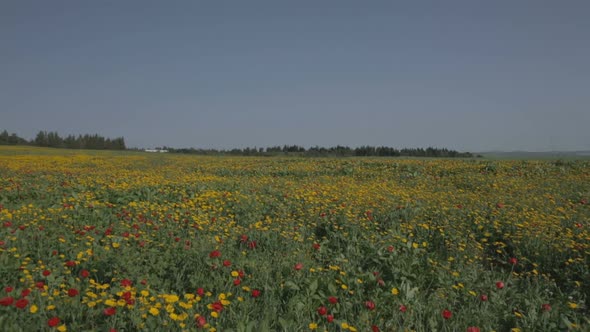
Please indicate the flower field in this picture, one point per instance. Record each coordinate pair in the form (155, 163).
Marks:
(122, 241)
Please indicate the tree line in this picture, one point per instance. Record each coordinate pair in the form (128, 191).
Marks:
(336, 151)
(54, 140)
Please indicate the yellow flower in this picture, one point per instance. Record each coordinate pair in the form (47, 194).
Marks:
(62, 328)
(171, 298)
(572, 305)
(344, 325)
(394, 291)
(33, 309)
(214, 314)
(154, 311)
(313, 326)
(116, 245)
(110, 303)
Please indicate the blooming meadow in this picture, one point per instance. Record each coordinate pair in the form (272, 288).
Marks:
(121, 241)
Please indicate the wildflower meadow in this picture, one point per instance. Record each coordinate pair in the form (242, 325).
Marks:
(129, 241)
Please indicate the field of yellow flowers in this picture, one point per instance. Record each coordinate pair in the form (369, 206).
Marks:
(107, 241)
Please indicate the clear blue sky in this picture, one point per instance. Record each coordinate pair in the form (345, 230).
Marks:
(468, 75)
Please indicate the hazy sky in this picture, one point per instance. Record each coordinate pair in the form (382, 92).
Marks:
(468, 75)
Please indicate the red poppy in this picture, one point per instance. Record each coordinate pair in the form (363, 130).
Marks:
(252, 244)
(201, 321)
(109, 311)
(403, 308)
(25, 292)
(21, 303)
(70, 263)
(215, 254)
(447, 314)
(330, 318)
(226, 263)
(499, 285)
(6, 301)
(322, 310)
(483, 297)
(316, 246)
(255, 293)
(46, 273)
(473, 329)
(375, 328)
(390, 248)
(546, 307)
(40, 284)
(370, 305)
(237, 282)
(53, 322)
(8, 289)
(84, 273)
(333, 299)
(298, 266)
(513, 261)
(126, 283)
(72, 292)
(217, 306)
(200, 291)
(244, 238)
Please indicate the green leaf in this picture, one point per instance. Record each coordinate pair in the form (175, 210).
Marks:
(291, 285)
(313, 286)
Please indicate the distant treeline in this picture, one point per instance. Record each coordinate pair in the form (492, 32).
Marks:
(338, 151)
(53, 140)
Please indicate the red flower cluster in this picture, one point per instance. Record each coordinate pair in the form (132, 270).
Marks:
(201, 321)
(126, 283)
(6, 301)
(53, 322)
(447, 314)
(21, 303)
(72, 292)
(109, 311)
